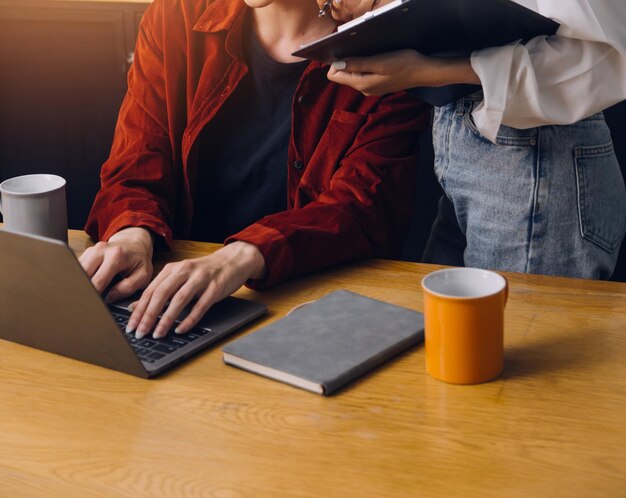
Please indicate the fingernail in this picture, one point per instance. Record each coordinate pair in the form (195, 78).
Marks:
(337, 2)
(339, 65)
(129, 329)
(178, 330)
(158, 333)
(131, 307)
(140, 334)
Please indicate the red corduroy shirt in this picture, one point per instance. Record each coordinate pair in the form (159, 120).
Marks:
(351, 162)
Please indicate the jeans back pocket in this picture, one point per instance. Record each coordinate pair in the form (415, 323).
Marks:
(601, 196)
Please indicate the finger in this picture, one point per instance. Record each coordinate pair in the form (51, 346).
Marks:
(117, 278)
(208, 298)
(140, 306)
(158, 299)
(109, 268)
(339, 76)
(369, 84)
(91, 259)
(136, 312)
(360, 65)
(138, 279)
(181, 299)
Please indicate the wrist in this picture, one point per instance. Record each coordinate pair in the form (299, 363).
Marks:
(461, 71)
(444, 71)
(248, 257)
(137, 235)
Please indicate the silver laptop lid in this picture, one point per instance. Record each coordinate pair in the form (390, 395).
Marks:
(48, 302)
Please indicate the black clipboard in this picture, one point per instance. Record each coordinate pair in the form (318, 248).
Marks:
(444, 28)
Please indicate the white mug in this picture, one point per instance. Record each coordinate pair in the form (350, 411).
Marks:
(35, 204)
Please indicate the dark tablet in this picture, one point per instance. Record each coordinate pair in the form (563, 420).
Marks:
(433, 27)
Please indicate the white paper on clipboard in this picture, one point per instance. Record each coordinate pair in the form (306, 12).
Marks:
(369, 15)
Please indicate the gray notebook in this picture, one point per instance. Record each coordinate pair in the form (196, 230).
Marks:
(326, 344)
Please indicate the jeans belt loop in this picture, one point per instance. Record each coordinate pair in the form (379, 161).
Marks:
(460, 106)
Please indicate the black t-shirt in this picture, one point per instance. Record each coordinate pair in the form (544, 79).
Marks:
(242, 172)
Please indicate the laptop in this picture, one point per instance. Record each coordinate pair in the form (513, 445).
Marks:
(47, 302)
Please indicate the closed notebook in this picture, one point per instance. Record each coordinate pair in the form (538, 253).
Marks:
(326, 344)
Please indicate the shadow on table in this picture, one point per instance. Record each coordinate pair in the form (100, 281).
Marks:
(570, 350)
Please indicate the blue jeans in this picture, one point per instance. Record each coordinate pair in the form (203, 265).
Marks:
(547, 200)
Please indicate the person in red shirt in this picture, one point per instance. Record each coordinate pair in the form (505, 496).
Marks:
(224, 135)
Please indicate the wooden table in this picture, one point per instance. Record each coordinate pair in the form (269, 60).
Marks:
(553, 425)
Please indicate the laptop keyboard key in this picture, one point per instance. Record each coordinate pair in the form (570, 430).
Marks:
(173, 342)
(163, 348)
(150, 350)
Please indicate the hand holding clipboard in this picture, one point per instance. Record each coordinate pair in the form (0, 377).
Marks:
(446, 29)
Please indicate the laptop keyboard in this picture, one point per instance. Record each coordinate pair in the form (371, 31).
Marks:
(151, 350)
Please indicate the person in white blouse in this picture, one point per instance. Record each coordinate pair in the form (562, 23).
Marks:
(530, 178)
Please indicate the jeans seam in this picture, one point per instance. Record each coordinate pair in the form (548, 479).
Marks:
(597, 150)
(446, 164)
(534, 209)
(579, 189)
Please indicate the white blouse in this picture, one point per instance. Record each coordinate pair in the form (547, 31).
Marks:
(559, 79)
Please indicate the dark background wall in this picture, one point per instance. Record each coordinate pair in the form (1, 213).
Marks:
(62, 78)
(63, 72)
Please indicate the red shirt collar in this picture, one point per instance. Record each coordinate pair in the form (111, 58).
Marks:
(228, 15)
(220, 15)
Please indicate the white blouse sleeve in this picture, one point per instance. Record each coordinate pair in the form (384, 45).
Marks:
(559, 79)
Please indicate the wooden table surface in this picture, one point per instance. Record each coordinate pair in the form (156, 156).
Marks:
(553, 425)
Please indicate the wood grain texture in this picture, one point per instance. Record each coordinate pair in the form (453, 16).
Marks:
(552, 425)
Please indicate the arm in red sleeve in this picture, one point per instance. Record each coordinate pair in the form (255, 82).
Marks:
(138, 181)
(366, 209)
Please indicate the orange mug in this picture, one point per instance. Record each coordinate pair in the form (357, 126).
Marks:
(464, 324)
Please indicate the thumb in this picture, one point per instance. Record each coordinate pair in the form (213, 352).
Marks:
(352, 65)
(358, 65)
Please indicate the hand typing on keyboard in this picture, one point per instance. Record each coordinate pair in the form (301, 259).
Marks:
(150, 350)
(210, 279)
(127, 254)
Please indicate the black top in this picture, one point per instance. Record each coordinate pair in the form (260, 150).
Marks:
(243, 151)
